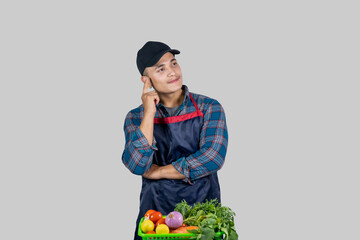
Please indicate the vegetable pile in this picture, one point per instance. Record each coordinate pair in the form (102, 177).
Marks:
(204, 219)
(210, 217)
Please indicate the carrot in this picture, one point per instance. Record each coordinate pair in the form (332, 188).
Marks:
(179, 230)
(183, 229)
(191, 228)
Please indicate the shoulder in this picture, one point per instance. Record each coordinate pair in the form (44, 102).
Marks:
(204, 102)
(136, 113)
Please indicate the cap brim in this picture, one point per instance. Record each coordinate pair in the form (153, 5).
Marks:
(157, 57)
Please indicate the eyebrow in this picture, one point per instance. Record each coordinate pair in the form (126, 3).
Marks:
(159, 66)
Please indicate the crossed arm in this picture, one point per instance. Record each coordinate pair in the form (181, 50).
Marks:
(138, 153)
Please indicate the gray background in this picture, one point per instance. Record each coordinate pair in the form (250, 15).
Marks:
(286, 73)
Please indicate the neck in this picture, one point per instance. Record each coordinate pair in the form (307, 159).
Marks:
(173, 99)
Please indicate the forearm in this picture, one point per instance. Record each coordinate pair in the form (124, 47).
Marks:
(201, 163)
(169, 172)
(147, 128)
(164, 172)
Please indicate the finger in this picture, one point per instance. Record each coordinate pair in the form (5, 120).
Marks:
(146, 86)
(157, 99)
(152, 93)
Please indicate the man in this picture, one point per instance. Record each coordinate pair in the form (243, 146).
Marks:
(176, 140)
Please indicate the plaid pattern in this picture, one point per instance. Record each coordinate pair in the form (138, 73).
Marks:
(138, 153)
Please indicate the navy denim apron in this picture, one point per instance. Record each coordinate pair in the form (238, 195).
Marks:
(176, 137)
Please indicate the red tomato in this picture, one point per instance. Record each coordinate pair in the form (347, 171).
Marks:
(147, 214)
(151, 232)
(155, 216)
(160, 221)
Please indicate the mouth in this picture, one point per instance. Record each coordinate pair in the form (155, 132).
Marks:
(175, 80)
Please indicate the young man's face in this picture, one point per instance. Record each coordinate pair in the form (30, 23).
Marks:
(165, 75)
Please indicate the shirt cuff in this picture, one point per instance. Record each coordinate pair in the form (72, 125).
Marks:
(141, 143)
(183, 167)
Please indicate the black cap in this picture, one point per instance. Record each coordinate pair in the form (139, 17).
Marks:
(151, 53)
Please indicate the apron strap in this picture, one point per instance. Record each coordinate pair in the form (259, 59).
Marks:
(181, 118)
(196, 106)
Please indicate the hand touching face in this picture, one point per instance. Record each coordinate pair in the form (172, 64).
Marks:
(149, 98)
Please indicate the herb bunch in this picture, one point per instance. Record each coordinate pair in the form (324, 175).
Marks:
(210, 217)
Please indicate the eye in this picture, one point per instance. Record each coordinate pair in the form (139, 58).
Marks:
(160, 70)
(174, 63)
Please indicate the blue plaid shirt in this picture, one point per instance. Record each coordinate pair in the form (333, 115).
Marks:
(210, 156)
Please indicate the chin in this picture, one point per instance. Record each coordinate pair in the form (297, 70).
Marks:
(178, 86)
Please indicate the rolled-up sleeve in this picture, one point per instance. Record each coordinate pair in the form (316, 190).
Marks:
(138, 153)
(212, 149)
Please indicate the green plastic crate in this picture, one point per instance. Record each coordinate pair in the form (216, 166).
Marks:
(144, 236)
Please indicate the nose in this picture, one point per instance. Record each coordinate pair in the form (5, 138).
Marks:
(171, 72)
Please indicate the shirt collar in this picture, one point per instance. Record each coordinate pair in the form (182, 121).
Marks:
(185, 101)
(186, 98)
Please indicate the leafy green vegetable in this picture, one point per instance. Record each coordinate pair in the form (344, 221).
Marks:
(207, 234)
(210, 217)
